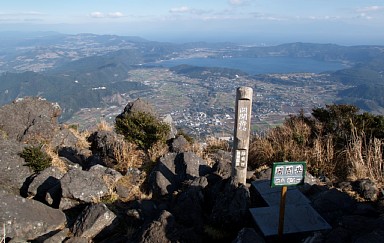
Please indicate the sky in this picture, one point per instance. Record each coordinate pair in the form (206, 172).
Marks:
(348, 22)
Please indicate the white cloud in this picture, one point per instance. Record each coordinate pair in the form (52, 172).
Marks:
(370, 9)
(238, 2)
(116, 15)
(22, 16)
(182, 9)
(97, 15)
(108, 15)
(188, 10)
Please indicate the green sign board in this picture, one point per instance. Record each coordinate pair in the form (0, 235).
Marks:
(288, 173)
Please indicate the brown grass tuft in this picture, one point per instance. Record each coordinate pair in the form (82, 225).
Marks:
(56, 161)
(104, 126)
(157, 150)
(127, 156)
(133, 185)
(360, 157)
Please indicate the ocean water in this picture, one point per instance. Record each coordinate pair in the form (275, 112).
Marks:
(259, 65)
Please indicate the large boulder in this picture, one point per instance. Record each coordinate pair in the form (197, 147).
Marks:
(180, 145)
(82, 185)
(333, 204)
(230, 206)
(64, 137)
(139, 105)
(367, 189)
(44, 181)
(28, 219)
(173, 169)
(13, 172)
(189, 205)
(105, 145)
(93, 220)
(29, 120)
(166, 229)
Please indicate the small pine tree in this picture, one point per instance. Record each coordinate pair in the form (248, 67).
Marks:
(35, 158)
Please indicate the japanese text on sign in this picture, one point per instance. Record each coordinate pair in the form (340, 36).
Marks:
(241, 157)
(288, 173)
(243, 116)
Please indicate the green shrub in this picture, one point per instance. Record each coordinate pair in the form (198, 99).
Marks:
(142, 129)
(35, 158)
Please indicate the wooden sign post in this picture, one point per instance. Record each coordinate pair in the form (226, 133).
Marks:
(286, 174)
(241, 133)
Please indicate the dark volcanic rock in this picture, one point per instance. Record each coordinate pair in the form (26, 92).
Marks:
(173, 169)
(93, 220)
(180, 145)
(13, 173)
(64, 137)
(29, 119)
(367, 189)
(231, 206)
(75, 156)
(44, 181)
(332, 204)
(105, 144)
(83, 185)
(166, 229)
(223, 165)
(139, 105)
(248, 235)
(161, 230)
(189, 205)
(28, 219)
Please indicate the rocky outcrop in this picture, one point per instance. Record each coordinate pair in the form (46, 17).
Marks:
(28, 219)
(29, 120)
(93, 220)
(175, 168)
(104, 144)
(191, 201)
(43, 182)
(13, 173)
(139, 105)
(180, 145)
(79, 185)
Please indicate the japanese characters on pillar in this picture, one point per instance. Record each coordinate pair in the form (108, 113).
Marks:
(241, 133)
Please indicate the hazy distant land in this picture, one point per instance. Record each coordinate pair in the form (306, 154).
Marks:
(92, 77)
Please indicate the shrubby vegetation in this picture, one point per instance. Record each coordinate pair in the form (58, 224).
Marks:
(336, 141)
(142, 128)
(36, 158)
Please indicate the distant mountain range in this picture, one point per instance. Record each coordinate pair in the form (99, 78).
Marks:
(75, 70)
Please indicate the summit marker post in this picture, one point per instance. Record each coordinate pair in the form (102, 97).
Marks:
(241, 133)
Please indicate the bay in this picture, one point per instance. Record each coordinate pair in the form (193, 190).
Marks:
(259, 65)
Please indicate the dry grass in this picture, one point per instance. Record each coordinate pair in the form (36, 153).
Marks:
(360, 157)
(127, 156)
(111, 195)
(211, 146)
(285, 143)
(157, 150)
(365, 157)
(56, 161)
(134, 186)
(104, 126)
(82, 142)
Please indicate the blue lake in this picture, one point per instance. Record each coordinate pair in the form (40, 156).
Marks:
(259, 65)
